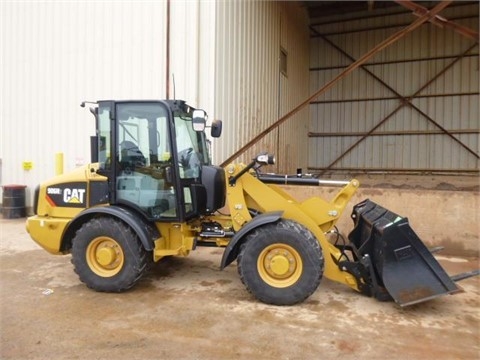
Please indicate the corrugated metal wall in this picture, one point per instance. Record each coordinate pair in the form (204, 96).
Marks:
(408, 139)
(250, 91)
(56, 54)
(192, 51)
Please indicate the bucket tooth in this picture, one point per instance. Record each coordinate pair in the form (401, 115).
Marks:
(436, 249)
(465, 275)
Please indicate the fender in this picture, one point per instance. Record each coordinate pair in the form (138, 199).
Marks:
(145, 230)
(231, 251)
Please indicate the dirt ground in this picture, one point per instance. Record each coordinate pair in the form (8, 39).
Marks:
(186, 308)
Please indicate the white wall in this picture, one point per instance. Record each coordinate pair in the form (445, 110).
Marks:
(55, 54)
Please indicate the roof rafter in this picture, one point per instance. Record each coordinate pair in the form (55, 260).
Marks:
(440, 21)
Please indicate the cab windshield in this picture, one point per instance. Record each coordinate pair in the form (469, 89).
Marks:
(191, 145)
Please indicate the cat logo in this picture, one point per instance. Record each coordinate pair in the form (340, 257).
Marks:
(73, 196)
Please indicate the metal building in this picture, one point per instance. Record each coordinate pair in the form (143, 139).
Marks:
(412, 108)
(248, 63)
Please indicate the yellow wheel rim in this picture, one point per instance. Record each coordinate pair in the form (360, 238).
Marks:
(105, 256)
(280, 265)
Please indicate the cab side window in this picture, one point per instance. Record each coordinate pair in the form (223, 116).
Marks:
(144, 177)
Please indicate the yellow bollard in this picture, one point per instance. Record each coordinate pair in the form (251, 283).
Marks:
(58, 163)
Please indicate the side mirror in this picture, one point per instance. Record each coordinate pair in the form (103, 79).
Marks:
(216, 129)
(199, 119)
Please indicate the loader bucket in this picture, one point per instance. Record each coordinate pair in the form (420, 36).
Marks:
(402, 264)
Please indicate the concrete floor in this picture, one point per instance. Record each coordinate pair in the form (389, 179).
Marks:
(185, 308)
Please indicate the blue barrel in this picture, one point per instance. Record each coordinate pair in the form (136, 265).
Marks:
(14, 201)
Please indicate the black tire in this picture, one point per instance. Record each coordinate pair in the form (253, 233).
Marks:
(108, 256)
(281, 263)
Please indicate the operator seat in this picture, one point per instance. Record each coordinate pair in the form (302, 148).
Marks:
(131, 156)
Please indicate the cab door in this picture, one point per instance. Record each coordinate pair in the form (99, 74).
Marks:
(144, 171)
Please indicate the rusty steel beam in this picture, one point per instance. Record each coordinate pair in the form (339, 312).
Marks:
(390, 62)
(394, 133)
(385, 43)
(408, 101)
(404, 101)
(395, 12)
(445, 131)
(438, 20)
(386, 98)
(382, 27)
(366, 135)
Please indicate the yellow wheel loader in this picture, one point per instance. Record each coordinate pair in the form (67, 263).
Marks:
(151, 191)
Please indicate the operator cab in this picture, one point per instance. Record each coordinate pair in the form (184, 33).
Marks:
(156, 157)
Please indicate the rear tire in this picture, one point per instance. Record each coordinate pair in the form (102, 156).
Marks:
(108, 256)
(281, 263)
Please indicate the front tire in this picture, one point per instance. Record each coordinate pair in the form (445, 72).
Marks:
(281, 263)
(108, 256)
